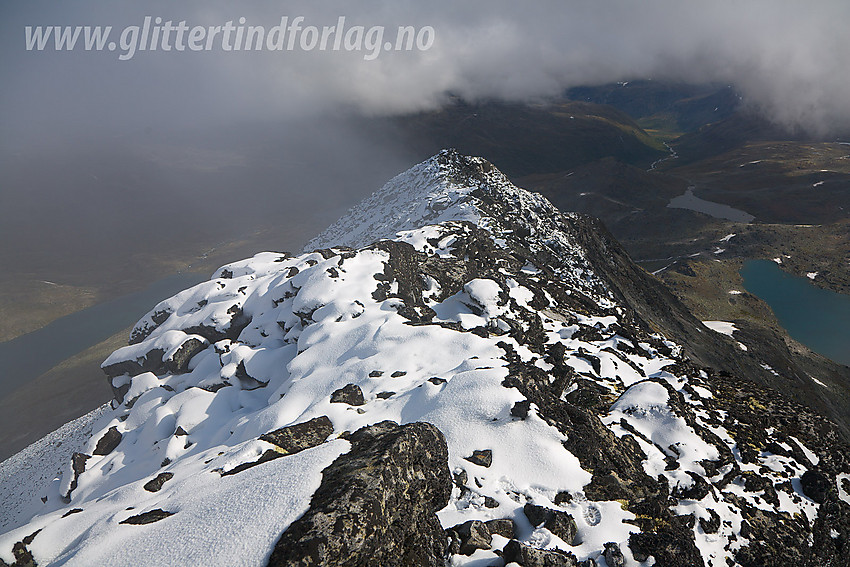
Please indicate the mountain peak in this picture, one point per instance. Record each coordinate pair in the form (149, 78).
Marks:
(451, 187)
(437, 190)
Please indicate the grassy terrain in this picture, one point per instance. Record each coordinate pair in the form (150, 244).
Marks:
(777, 181)
(29, 304)
(662, 126)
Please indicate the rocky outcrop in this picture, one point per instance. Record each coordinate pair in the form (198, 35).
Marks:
(527, 556)
(558, 522)
(173, 357)
(108, 442)
(377, 503)
(294, 438)
(351, 394)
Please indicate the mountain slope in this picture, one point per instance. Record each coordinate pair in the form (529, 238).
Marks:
(524, 138)
(548, 420)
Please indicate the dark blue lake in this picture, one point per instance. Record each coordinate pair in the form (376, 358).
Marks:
(818, 318)
(28, 356)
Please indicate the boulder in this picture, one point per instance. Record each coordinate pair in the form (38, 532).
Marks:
(376, 504)
(521, 554)
(815, 485)
(108, 442)
(470, 536)
(483, 457)
(350, 394)
(613, 556)
(295, 438)
(556, 521)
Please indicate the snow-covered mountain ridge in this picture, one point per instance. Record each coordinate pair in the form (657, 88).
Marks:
(451, 187)
(550, 424)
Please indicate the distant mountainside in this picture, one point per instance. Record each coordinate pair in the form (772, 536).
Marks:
(732, 132)
(524, 138)
(454, 373)
(663, 105)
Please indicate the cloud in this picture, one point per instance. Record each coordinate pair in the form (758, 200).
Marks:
(788, 59)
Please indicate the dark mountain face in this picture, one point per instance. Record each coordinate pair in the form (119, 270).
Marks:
(733, 131)
(676, 107)
(524, 138)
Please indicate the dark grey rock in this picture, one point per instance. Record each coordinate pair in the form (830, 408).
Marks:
(558, 522)
(267, 456)
(460, 479)
(483, 457)
(563, 498)
(503, 527)
(108, 442)
(520, 409)
(521, 554)
(350, 394)
(815, 485)
(711, 525)
(140, 333)
(377, 503)
(294, 438)
(247, 381)
(155, 485)
(78, 467)
(472, 535)
(697, 491)
(613, 556)
(147, 517)
(153, 361)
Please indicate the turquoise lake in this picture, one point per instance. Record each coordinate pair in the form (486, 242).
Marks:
(818, 318)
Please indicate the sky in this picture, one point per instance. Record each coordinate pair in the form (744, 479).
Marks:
(788, 59)
(107, 153)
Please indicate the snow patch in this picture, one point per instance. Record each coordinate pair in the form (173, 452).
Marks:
(723, 327)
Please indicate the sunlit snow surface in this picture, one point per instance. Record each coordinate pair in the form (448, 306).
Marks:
(315, 325)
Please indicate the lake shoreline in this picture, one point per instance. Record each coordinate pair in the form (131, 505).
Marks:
(814, 316)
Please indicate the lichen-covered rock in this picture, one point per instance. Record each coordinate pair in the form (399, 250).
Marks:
(377, 503)
(481, 457)
(301, 436)
(521, 554)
